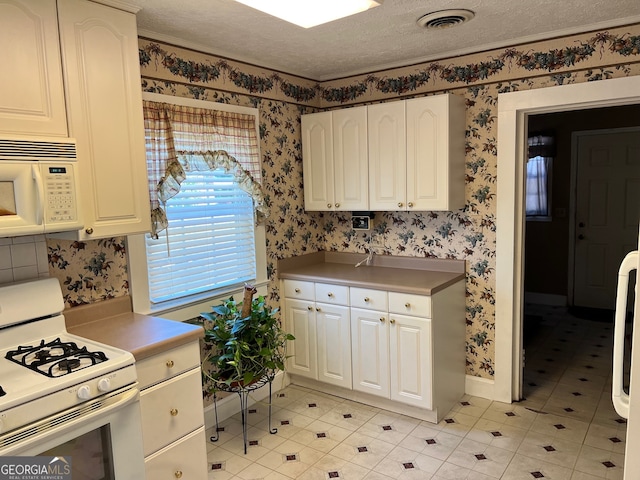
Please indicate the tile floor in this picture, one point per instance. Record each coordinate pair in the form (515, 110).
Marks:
(566, 429)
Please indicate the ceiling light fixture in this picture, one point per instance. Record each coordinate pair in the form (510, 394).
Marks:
(309, 14)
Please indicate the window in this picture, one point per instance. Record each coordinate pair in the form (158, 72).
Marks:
(538, 182)
(211, 246)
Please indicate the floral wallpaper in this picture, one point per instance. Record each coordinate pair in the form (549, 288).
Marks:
(96, 270)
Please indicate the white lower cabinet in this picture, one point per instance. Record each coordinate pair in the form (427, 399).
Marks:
(172, 414)
(403, 348)
(322, 349)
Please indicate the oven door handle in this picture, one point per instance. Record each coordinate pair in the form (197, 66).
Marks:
(17, 440)
(37, 178)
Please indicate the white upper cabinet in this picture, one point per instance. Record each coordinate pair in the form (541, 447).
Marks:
(334, 152)
(31, 87)
(104, 98)
(387, 156)
(404, 155)
(435, 152)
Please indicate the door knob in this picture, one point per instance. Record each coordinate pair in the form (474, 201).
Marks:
(581, 224)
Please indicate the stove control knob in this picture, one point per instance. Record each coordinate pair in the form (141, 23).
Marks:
(104, 385)
(84, 392)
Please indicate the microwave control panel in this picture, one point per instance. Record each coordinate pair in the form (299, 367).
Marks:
(60, 193)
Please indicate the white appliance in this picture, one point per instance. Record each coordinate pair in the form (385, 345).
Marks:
(628, 405)
(38, 187)
(63, 395)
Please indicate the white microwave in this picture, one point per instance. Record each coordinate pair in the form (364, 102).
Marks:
(38, 187)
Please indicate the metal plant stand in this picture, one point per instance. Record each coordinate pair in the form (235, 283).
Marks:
(243, 392)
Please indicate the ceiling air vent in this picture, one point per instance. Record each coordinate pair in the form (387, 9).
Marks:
(445, 18)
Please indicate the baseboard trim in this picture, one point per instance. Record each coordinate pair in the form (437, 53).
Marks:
(546, 299)
(230, 405)
(479, 387)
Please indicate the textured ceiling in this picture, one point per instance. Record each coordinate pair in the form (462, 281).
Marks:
(386, 36)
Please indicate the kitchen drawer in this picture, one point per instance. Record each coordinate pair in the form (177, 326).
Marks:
(171, 410)
(299, 290)
(409, 304)
(186, 459)
(368, 299)
(163, 366)
(333, 294)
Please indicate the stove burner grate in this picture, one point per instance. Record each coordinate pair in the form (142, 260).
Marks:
(55, 358)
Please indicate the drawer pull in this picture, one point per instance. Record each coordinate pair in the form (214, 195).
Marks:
(392, 321)
(407, 305)
(297, 290)
(330, 295)
(382, 319)
(174, 412)
(178, 474)
(367, 299)
(309, 308)
(170, 364)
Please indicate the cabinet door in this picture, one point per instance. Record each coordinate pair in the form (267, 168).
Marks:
(334, 344)
(411, 360)
(300, 318)
(317, 160)
(435, 153)
(350, 159)
(387, 156)
(102, 74)
(31, 88)
(370, 352)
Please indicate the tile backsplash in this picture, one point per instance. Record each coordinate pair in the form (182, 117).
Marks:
(23, 258)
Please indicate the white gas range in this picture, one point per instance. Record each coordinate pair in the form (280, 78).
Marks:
(64, 395)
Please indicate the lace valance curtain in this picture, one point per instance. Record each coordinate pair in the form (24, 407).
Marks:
(181, 139)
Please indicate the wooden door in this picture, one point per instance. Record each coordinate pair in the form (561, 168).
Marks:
(300, 319)
(31, 88)
(411, 361)
(607, 211)
(370, 351)
(334, 344)
(317, 159)
(350, 159)
(387, 156)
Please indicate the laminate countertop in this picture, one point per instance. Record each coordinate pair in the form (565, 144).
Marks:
(421, 276)
(113, 323)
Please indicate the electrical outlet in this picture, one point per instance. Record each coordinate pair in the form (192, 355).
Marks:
(360, 222)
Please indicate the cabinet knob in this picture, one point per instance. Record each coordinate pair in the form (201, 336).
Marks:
(410, 204)
(317, 309)
(297, 290)
(178, 474)
(170, 364)
(88, 231)
(328, 205)
(400, 204)
(330, 295)
(392, 321)
(407, 305)
(309, 308)
(367, 299)
(382, 319)
(337, 205)
(174, 412)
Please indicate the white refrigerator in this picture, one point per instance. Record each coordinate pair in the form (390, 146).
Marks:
(628, 406)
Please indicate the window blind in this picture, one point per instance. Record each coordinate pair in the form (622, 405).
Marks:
(210, 242)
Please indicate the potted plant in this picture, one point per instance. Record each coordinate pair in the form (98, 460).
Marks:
(244, 340)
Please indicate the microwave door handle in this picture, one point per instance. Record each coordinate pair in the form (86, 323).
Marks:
(619, 397)
(37, 177)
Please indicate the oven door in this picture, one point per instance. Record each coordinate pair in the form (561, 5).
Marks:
(103, 439)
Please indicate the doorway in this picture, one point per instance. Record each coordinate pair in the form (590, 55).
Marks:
(514, 110)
